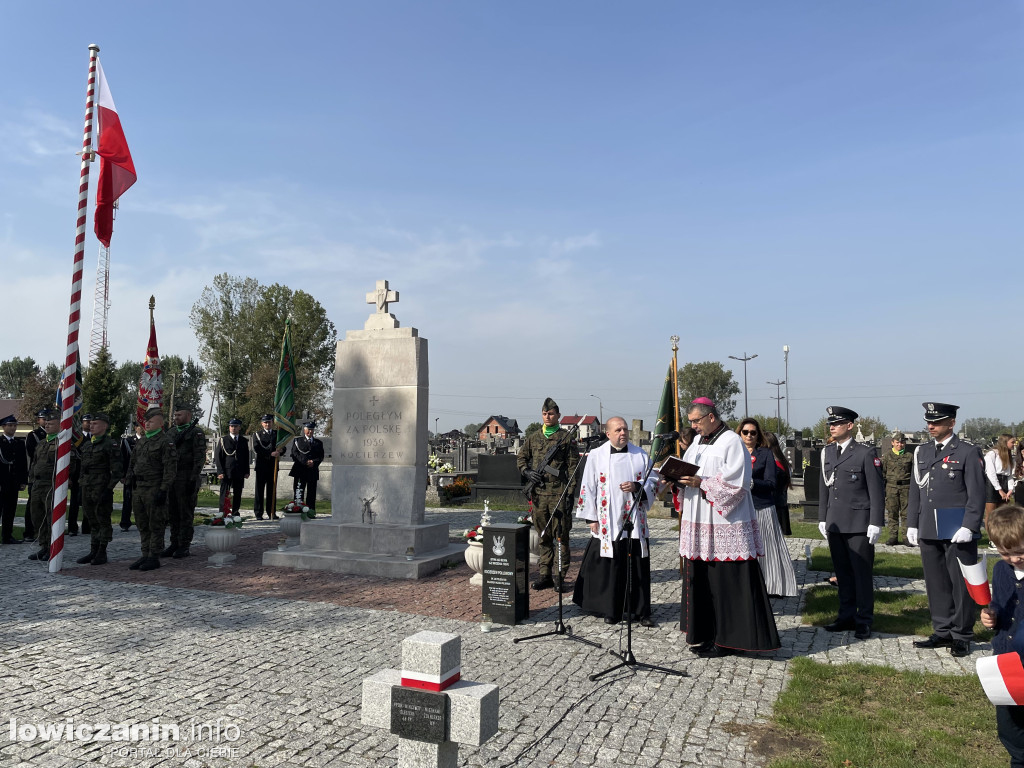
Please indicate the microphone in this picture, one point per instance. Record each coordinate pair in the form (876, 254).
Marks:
(667, 436)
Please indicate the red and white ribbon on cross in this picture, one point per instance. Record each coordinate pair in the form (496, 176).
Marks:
(427, 682)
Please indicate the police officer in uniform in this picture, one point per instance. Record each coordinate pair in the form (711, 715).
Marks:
(307, 453)
(897, 466)
(101, 472)
(948, 488)
(232, 461)
(851, 514)
(35, 437)
(13, 476)
(547, 491)
(154, 465)
(127, 447)
(42, 476)
(190, 443)
(264, 446)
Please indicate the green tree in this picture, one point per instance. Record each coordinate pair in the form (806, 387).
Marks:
(40, 391)
(769, 423)
(472, 430)
(869, 425)
(239, 324)
(984, 429)
(186, 378)
(102, 392)
(14, 374)
(708, 379)
(533, 427)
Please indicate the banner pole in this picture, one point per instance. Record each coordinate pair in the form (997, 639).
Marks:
(60, 490)
(675, 392)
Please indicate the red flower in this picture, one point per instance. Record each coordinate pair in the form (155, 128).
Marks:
(604, 531)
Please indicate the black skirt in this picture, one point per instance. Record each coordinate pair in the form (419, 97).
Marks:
(726, 603)
(601, 583)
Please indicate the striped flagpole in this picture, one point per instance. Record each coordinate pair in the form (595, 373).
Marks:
(60, 490)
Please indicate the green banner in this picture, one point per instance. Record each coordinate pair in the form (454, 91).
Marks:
(666, 422)
(284, 398)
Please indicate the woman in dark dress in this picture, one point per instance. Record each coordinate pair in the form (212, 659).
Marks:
(783, 481)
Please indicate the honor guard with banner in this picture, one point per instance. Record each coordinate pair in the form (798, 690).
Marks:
(232, 460)
(153, 467)
(13, 476)
(307, 453)
(264, 447)
(547, 460)
(947, 501)
(101, 472)
(851, 513)
(190, 443)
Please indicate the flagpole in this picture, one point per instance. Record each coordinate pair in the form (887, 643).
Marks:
(675, 391)
(60, 491)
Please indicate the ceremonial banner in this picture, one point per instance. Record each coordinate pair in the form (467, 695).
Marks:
(284, 398)
(666, 421)
(151, 383)
(117, 171)
(977, 582)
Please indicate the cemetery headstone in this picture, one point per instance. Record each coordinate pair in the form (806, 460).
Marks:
(506, 597)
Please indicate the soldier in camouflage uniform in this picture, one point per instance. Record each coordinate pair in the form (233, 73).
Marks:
(190, 443)
(152, 470)
(101, 471)
(897, 466)
(548, 490)
(41, 478)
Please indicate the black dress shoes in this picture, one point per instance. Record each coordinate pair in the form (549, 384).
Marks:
(840, 625)
(863, 632)
(702, 648)
(647, 621)
(42, 555)
(935, 641)
(716, 652)
(544, 582)
(960, 648)
(610, 620)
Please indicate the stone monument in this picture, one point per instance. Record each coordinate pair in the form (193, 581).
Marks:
(379, 459)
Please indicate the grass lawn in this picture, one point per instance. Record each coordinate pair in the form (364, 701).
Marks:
(862, 716)
(806, 530)
(905, 566)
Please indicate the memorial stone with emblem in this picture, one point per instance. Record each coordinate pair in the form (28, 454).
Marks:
(506, 596)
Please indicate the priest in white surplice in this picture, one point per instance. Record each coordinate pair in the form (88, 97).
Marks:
(613, 474)
(725, 604)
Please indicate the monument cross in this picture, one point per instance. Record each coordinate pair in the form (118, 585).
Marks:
(381, 296)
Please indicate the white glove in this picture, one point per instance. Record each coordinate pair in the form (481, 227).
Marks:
(873, 533)
(912, 536)
(962, 536)
(821, 529)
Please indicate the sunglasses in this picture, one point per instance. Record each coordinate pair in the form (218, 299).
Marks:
(749, 432)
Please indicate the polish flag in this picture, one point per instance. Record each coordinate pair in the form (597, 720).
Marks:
(977, 582)
(1002, 677)
(117, 171)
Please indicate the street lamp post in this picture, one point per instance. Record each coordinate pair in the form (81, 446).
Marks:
(600, 410)
(744, 360)
(785, 354)
(435, 426)
(778, 402)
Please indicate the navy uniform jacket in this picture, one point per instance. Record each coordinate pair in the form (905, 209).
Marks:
(13, 462)
(304, 450)
(35, 437)
(264, 443)
(232, 457)
(856, 497)
(1006, 600)
(954, 479)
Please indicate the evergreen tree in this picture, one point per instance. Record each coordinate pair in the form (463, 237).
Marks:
(102, 392)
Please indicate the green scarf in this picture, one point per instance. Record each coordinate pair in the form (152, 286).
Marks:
(153, 433)
(549, 431)
(51, 438)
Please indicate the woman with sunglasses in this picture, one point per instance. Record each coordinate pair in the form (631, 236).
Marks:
(779, 577)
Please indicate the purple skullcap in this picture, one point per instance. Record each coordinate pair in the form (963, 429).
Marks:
(703, 401)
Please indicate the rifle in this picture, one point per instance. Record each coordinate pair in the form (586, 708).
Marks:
(545, 464)
(180, 437)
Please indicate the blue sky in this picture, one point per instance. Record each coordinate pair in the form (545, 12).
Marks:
(554, 188)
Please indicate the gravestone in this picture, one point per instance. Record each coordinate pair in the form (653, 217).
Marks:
(379, 461)
(428, 705)
(506, 596)
(638, 435)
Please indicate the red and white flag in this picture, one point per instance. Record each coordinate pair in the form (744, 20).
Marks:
(151, 383)
(1002, 677)
(976, 578)
(117, 171)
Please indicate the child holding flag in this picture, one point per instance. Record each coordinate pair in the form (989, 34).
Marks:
(1002, 674)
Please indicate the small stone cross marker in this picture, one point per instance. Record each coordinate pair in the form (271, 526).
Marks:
(638, 435)
(382, 297)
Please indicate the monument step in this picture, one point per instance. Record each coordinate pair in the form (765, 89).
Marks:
(365, 564)
(377, 539)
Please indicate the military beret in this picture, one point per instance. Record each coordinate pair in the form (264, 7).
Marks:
(898, 436)
(235, 423)
(267, 417)
(186, 406)
(100, 417)
(549, 405)
(12, 419)
(939, 411)
(154, 411)
(837, 414)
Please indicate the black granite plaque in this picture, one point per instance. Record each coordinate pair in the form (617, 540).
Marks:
(418, 714)
(506, 597)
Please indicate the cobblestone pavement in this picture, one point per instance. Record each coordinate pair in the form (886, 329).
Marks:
(281, 656)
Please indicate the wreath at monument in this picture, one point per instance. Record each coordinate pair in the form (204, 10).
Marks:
(476, 533)
(224, 518)
(298, 507)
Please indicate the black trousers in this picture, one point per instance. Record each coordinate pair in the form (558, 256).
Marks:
(30, 530)
(1010, 727)
(853, 559)
(126, 506)
(234, 487)
(264, 498)
(8, 506)
(952, 609)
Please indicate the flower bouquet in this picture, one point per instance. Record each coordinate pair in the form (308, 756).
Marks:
(224, 518)
(476, 533)
(293, 507)
(524, 520)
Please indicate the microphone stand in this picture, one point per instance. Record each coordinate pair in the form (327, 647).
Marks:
(627, 659)
(560, 626)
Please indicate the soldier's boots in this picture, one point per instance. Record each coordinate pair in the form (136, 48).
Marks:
(150, 563)
(42, 555)
(138, 563)
(181, 552)
(101, 555)
(169, 551)
(88, 558)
